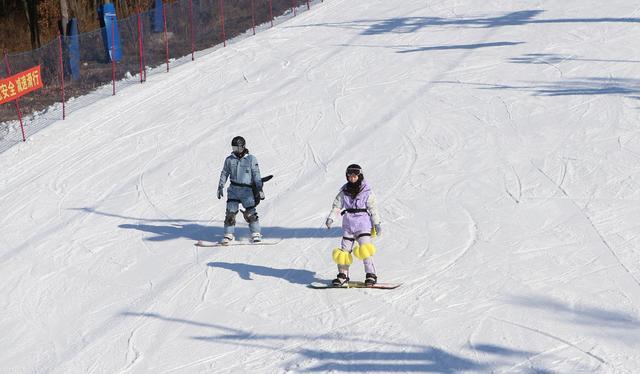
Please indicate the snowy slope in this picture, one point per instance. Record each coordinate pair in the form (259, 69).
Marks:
(503, 141)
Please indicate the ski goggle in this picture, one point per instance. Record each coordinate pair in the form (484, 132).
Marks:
(355, 172)
(237, 148)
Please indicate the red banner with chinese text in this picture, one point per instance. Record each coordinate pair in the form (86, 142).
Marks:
(20, 84)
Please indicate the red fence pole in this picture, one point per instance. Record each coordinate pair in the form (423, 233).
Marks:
(113, 57)
(193, 47)
(271, 11)
(224, 35)
(253, 16)
(17, 102)
(140, 48)
(166, 38)
(64, 114)
(294, 7)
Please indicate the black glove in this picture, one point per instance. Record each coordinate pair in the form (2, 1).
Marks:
(258, 195)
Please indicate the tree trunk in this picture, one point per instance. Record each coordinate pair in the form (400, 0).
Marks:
(31, 10)
(64, 12)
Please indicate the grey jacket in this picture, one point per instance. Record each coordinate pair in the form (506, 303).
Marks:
(243, 171)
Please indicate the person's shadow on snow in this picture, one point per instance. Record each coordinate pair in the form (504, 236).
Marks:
(175, 228)
(295, 276)
(215, 233)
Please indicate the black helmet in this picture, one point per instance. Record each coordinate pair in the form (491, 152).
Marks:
(238, 141)
(354, 169)
(238, 145)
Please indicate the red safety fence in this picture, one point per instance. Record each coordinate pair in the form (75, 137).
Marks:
(188, 28)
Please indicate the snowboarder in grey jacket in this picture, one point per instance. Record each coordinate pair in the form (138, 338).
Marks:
(246, 188)
(356, 202)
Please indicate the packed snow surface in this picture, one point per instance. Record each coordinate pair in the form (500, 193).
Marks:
(502, 139)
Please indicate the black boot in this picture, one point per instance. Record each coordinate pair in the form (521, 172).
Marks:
(370, 279)
(340, 280)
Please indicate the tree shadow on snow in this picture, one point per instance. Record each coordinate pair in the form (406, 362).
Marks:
(404, 25)
(424, 360)
(580, 314)
(572, 87)
(382, 355)
(502, 351)
(295, 276)
(552, 59)
(421, 359)
(396, 357)
(460, 46)
(581, 86)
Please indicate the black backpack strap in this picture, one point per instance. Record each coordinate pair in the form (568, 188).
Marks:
(240, 184)
(353, 211)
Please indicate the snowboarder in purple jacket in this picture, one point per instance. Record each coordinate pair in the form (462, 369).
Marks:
(356, 203)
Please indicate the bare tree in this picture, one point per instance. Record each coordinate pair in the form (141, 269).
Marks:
(31, 11)
(64, 12)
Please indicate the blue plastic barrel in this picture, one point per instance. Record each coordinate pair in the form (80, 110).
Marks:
(74, 48)
(158, 21)
(110, 31)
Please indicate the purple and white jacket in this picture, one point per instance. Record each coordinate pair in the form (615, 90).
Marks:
(360, 221)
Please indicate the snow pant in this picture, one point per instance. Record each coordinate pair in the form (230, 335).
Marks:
(237, 195)
(348, 243)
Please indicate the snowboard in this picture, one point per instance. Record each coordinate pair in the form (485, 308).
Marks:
(256, 193)
(355, 284)
(201, 243)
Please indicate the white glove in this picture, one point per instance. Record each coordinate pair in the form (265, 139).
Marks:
(328, 222)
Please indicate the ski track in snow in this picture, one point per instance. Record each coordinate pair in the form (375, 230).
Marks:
(593, 226)
(558, 339)
(479, 153)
